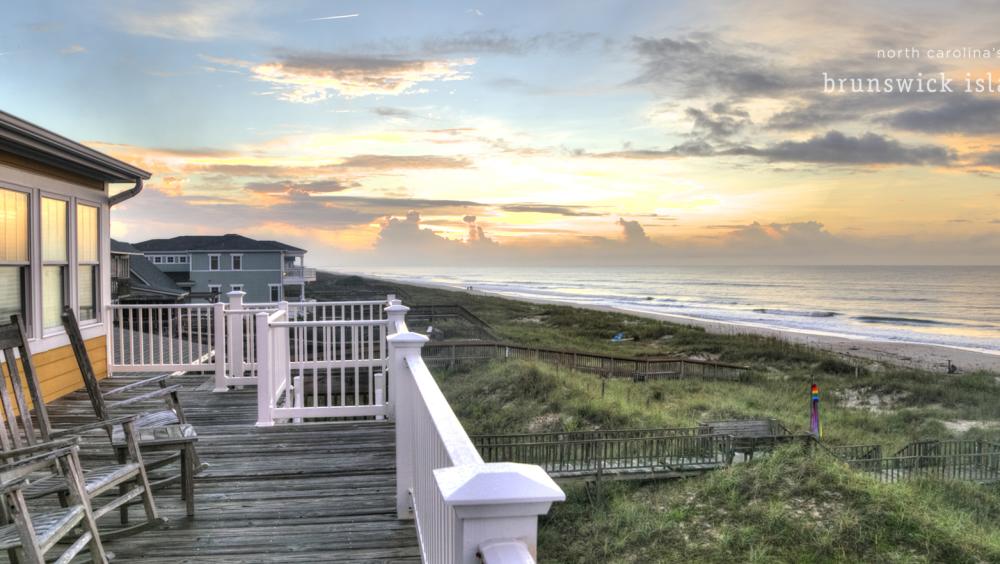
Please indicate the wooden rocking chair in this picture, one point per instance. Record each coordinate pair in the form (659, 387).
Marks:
(20, 431)
(33, 533)
(158, 431)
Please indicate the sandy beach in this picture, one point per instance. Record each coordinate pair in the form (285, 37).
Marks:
(916, 355)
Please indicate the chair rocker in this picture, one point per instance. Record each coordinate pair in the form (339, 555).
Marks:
(34, 533)
(19, 434)
(159, 431)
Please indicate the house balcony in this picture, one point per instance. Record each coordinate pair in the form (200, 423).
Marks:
(299, 275)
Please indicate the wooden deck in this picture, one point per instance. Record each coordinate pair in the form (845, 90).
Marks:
(305, 493)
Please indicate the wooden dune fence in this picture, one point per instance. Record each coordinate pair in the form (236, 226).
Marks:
(639, 369)
(975, 461)
(639, 453)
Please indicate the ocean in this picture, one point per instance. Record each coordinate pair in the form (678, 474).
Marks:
(957, 306)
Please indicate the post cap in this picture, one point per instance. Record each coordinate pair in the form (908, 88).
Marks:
(407, 339)
(397, 308)
(236, 294)
(498, 483)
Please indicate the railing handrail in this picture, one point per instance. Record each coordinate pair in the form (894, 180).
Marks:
(453, 436)
(331, 323)
(160, 306)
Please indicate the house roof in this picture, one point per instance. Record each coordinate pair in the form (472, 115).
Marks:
(229, 242)
(146, 277)
(123, 248)
(31, 141)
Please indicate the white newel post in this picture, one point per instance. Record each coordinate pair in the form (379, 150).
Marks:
(401, 384)
(265, 397)
(497, 506)
(235, 341)
(219, 344)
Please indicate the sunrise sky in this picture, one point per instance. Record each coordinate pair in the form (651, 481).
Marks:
(379, 132)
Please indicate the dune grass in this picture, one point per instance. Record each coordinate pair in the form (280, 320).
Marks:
(789, 507)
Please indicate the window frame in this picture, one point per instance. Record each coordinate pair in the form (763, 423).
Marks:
(95, 265)
(274, 296)
(66, 264)
(233, 259)
(218, 262)
(237, 287)
(26, 268)
(215, 289)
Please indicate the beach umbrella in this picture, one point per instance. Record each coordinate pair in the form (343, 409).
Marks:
(815, 427)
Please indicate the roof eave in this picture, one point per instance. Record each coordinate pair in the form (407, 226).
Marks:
(31, 141)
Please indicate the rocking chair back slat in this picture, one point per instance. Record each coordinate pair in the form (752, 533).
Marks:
(18, 430)
(86, 369)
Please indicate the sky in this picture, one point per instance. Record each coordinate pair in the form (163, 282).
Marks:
(587, 133)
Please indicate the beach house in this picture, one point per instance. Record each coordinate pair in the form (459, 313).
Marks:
(55, 202)
(216, 265)
(325, 435)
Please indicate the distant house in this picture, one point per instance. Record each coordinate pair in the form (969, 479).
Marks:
(136, 280)
(217, 264)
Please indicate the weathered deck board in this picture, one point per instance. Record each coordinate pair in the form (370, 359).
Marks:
(305, 493)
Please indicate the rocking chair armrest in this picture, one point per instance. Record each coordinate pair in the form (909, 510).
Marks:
(113, 422)
(161, 379)
(40, 447)
(160, 392)
(14, 472)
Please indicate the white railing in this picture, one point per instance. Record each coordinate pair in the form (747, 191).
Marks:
(464, 510)
(300, 273)
(320, 369)
(160, 338)
(327, 360)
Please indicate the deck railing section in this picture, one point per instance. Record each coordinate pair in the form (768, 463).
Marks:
(159, 338)
(464, 509)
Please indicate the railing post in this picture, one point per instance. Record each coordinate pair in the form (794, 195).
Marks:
(219, 344)
(235, 341)
(380, 393)
(403, 389)
(265, 397)
(497, 507)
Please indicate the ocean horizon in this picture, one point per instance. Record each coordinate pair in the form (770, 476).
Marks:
(937, 305)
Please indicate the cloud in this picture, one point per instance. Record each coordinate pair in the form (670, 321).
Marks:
(288, 186)
(574, 211)
(718, 122)
(73, 50)
(193, 20)
(960, 114)
(308, 77)
(386, 111)
(836, 148)
(383, 162)
(633, 232)
(702, 65)
(494, 41)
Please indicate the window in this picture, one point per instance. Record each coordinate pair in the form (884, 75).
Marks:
(157, 259)
(275, 292)
(54, 262)
(214, 288)
(213, 262)
(170, 259)
(182, 259)
(13, 254)
(236, 287)
(237, 262)
(87, 256)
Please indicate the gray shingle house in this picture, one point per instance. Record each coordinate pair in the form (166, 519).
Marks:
(204, 265)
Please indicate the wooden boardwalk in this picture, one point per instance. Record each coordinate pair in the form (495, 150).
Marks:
(306, 493)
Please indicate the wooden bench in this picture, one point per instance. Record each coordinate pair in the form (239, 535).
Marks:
(748, 435)
(646, 376)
